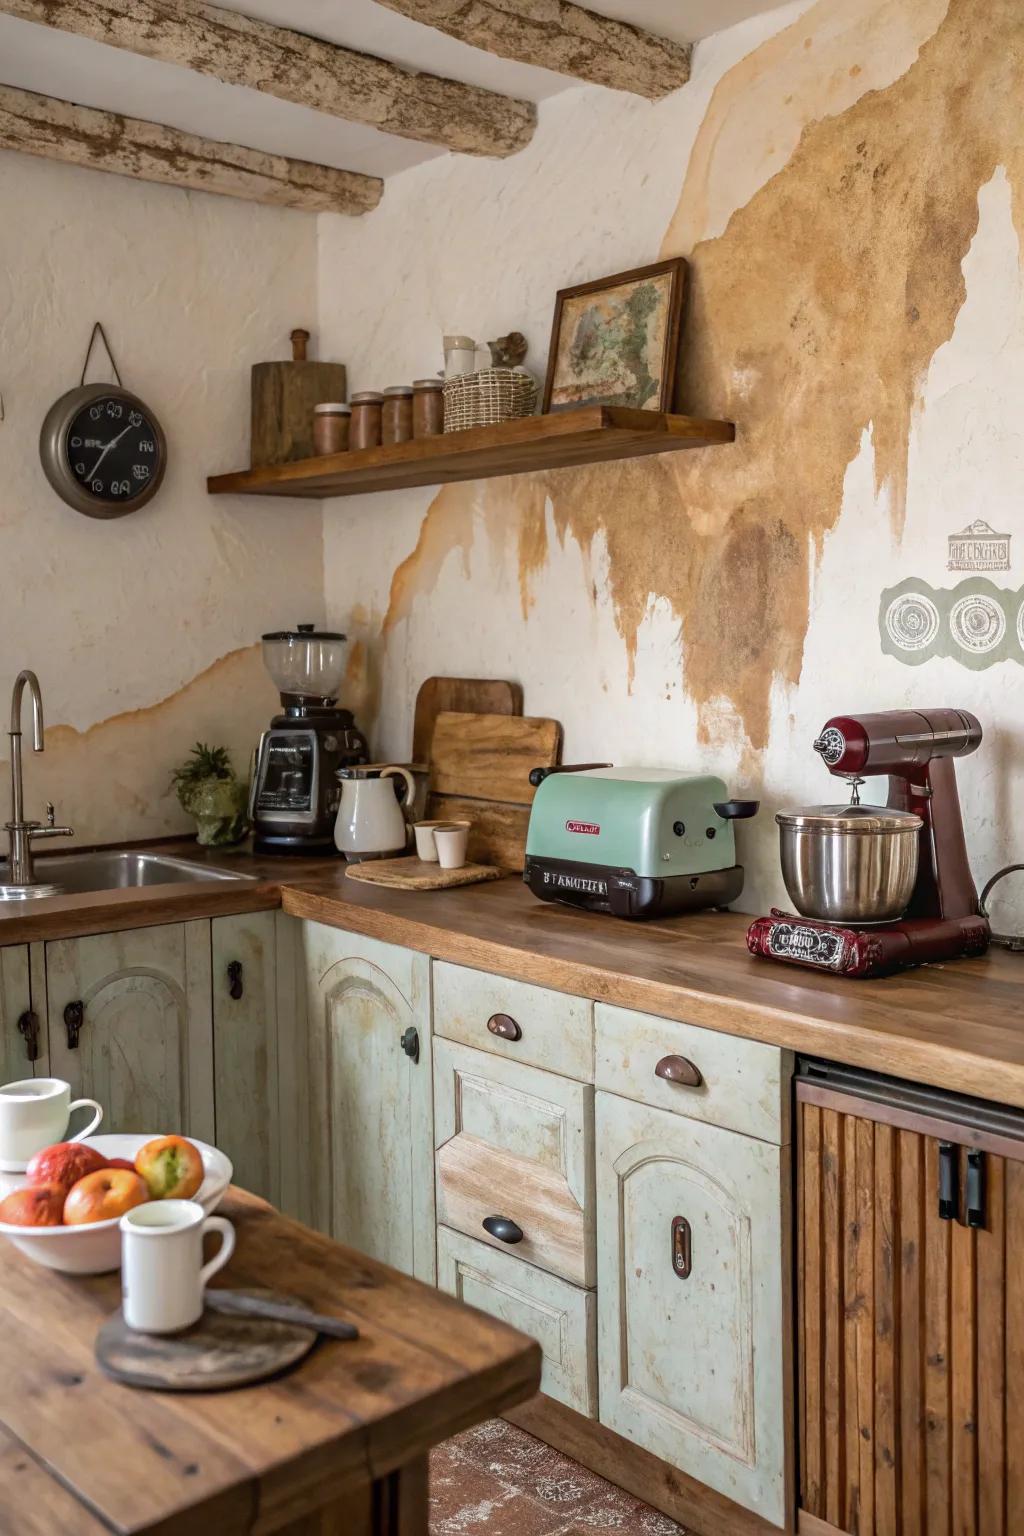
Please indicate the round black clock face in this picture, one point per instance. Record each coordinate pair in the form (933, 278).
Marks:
(112, 449)
(103, 450)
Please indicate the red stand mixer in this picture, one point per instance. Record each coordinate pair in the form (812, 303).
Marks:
(836, 859)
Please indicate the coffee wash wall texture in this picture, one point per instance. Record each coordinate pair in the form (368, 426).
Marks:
(144, 631)
(847, 179)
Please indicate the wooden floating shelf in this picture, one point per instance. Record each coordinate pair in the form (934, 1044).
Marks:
(589, 434)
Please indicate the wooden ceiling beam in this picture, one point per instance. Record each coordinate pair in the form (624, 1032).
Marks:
(558, 35)
(106, 141)
(240, 51)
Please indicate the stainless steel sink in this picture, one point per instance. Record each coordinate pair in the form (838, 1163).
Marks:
(76, 873)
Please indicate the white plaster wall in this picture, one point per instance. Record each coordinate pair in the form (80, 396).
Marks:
(482, 248)
(122, 616)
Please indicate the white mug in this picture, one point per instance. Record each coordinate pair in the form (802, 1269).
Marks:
(450, 840)
(34, 1114)
(163, 1276)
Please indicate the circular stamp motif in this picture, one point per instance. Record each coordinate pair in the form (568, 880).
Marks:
(912, 621)
(1020, 626)
(977, 623)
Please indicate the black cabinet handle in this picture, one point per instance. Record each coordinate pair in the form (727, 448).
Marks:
(235, 984)
(411, 1043)
(74, 1018)
(949, 1197)
(503, 1228)
(28, 1029)
(975, 1192)
(504, 1026)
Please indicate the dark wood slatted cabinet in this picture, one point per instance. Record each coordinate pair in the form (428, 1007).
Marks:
(910, 1304)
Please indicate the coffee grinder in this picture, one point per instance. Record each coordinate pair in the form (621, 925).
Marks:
(942, 920)
(294, 795)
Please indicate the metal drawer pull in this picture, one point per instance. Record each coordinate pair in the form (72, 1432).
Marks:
(503, 1228)
(505, 1026)
(975, 1191)
(949, 1197)
(677, 1069)
(28, 1029)
(74, 1018)
(235, 984)
(682, 1247)
(410, 1043)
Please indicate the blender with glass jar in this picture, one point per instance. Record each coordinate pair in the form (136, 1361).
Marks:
(295, 790)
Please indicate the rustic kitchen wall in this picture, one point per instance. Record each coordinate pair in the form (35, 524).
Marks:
(847, 179)
(144, 631)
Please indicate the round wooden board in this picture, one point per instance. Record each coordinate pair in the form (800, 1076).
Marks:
(221, 1351)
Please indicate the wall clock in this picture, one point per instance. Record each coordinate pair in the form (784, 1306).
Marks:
(103, 450)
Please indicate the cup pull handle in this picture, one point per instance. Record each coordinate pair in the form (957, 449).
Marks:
(503, 1228)
(677, 1069)
(505, 1026)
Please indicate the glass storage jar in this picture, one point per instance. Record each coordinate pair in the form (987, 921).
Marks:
(331, 422)
(366, 420)
(397, 414)
(427, 407)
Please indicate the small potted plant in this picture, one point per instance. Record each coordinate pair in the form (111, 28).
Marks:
(209, 789)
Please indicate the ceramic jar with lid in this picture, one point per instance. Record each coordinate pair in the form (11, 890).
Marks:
(331, 422)
(427, 407)
(397, 414)
(366, 420)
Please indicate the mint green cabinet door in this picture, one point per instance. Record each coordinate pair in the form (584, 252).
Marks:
(370, 1101)
(693, 1312)
(16, 1060)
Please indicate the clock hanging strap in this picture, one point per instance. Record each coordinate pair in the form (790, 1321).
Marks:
(98, 330)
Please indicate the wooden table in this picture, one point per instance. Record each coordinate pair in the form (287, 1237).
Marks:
(339, 1445)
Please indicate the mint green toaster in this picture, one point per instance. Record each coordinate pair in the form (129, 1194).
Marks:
(637, 842)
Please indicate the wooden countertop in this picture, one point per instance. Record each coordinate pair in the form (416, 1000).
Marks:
(82, 1454)
(958, 1026)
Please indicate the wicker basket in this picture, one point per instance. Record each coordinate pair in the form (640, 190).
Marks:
(485, 398)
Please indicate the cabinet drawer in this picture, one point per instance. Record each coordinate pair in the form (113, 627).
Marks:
(556, 1031)
(561, 1317)
(516, 1143)
(744, 1084)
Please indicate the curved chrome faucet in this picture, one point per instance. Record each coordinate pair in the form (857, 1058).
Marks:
(21, 880)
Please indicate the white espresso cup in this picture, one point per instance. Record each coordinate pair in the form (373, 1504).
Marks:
(163, 1276)
(34, 1114)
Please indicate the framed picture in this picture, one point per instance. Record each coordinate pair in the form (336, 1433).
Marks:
(616, 341)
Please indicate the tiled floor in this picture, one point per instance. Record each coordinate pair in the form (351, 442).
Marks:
(496, 1480)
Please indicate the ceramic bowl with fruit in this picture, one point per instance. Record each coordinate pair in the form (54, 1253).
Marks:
(64, 1213)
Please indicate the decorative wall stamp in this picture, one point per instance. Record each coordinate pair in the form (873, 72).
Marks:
(975, 623)
(978, 548)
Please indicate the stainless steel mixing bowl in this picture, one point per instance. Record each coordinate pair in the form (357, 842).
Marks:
(849, 863)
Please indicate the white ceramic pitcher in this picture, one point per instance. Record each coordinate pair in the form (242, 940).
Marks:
(371, 823)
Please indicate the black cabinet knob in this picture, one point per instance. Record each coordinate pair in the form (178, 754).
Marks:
(503, 1228)
(410, 1043)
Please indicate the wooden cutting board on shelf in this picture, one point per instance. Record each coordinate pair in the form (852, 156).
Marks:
(468, 695)
(283, 397)
(479, 772)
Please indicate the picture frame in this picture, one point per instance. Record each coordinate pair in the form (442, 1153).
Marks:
(622, 350)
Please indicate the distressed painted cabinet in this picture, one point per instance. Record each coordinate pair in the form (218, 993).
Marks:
(129, 1022)
(371, 1152)
(22, 1017)
(245, 1048)
(693, 1364)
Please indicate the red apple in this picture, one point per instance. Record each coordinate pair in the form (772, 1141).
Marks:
(35, 1205)
(102, 1195)
(120, 1162)
(171, 1166)
(64, 1163)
